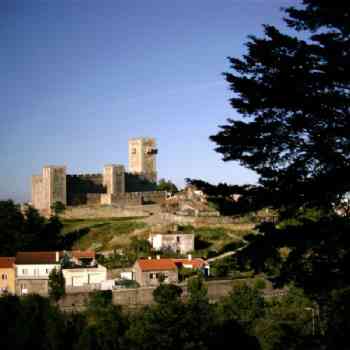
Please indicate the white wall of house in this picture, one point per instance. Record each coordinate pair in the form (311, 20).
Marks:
(156, 241)
(77, 277)
(184, 243)
(35, 271)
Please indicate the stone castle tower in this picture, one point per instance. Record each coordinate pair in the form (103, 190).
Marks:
(114, 178)
(113, 186)
(50, 187)
(142, 158)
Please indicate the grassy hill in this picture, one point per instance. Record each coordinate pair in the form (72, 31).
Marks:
(103, 233)
(107, 234)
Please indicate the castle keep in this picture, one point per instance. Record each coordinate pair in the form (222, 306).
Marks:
(114, 186)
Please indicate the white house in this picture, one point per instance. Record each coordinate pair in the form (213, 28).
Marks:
(81, 269)
(177, 242)
(83, 276)
(33, 270)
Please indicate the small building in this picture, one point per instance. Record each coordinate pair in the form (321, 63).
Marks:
(80, 269)
(33, 270)
(149, 272)
(7, 275)
(79, 276)
(177, 242)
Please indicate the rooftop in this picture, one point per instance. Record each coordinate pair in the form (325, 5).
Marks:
(27, 258)
(196, 263)
(6, 262)
(83, 254)
(156, 264)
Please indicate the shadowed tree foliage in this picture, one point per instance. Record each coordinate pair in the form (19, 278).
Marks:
(166, 293)
(56, 285)
(11, 228)
(27, 230)
(58, 207)
(293, 98)
(338, 321)
(244, 305)
(105, 325)
(250, 197)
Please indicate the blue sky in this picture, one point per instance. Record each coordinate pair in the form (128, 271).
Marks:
(81, 77)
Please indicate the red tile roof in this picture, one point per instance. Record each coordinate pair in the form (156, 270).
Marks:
(6, 262)
(87, 254)
(28, 258)
(156, 264)
(196, 263)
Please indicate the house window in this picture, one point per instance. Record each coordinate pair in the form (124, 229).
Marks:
(47, 271)
(178, 239)
(133, 151)
(4, 276)
(24, 271)
(151, 276)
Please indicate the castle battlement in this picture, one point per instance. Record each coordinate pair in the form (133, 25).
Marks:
(112, 185)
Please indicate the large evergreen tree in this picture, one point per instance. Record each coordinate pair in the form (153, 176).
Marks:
(293, 97)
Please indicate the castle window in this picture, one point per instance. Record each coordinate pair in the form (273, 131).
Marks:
(133, 151)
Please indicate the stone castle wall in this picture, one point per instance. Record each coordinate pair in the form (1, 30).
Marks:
(138, 183)
(138, 297)
(133, 198)
(80, 188)
(110, 211)
(113, 186)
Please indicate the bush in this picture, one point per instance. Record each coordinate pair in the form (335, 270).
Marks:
(260, 283)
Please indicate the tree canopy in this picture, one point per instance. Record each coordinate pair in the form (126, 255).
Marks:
(293, 98)
(167, 185)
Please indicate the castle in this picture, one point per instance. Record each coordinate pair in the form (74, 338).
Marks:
(114, 186)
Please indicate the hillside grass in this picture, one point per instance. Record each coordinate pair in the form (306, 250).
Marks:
(102, 234)
(216, 239)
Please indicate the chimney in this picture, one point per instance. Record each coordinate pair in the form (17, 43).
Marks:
(158, 257)
(57, 256)
(189, 257)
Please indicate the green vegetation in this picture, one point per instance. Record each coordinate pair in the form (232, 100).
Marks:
(164, 185)
(58, 208)
(211, 241)
(103, 234)
(171, 323)
(293, 97)
(27, 231)
(136, 249)
(56, 285)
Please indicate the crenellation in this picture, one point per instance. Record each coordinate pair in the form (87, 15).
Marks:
(113, 186)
